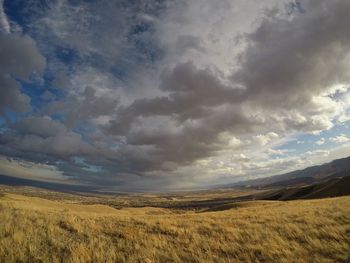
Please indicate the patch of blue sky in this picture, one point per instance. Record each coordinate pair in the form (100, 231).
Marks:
(3, 125)
(142, 50)
(81, 161)
(295, 6)
(23, 12)
(307, 142)
(36, 90)
(150, 52)
(67, 55)
(140, 28)
(58, 116)
(342, 128)
(11, 116)
(83, 129)
(142, 56)
(297, 144)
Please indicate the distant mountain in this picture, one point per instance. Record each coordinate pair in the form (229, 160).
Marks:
(15, 181)
(309, 175)
(337, 186)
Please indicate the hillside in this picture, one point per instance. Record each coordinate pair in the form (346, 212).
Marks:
(328, 188)
(34, 229)
(311, 174)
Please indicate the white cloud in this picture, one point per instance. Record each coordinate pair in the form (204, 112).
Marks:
(314, 153)
(262, 140)
(4, 23)
(271, 151)
(342, 138)
(320, 141)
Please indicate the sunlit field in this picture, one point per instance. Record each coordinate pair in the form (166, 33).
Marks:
(34, 229)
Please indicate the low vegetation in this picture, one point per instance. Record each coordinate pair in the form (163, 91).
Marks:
(34, 229)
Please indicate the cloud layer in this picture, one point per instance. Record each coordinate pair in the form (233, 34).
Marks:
(173, 93)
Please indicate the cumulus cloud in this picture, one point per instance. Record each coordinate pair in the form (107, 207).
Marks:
(86, 107)
(40, 126)
(19, 58)
(43, 136)
(265, 139)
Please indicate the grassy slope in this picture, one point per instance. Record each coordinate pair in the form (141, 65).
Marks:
(330, 188)
(34, 229)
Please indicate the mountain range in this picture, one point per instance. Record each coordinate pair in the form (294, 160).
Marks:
(313, 174)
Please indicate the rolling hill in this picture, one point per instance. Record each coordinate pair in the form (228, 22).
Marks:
(309, 175)
(329, 188)
(34, 229)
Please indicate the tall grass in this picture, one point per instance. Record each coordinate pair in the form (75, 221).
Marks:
(39, 230)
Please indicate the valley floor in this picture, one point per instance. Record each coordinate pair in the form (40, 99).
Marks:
(34, 229)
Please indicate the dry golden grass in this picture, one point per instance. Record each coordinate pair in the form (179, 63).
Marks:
(121, 200)
(38, 230)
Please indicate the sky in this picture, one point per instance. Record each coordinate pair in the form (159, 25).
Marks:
(171, 94)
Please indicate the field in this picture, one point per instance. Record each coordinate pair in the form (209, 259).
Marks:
(64, 228)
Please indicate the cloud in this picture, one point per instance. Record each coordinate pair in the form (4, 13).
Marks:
(43, 136)
(39, 126)
(19, 58)
(83, 108)
(86, 32)
(286, 58)
(279, 84)
(262, 140)
(192, 92)
(25, 169)
(4, 23)
(271, 151)
(342, 138)
(320, 141)
(186, 42)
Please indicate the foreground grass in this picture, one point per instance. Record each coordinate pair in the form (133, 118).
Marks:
(38, 230)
